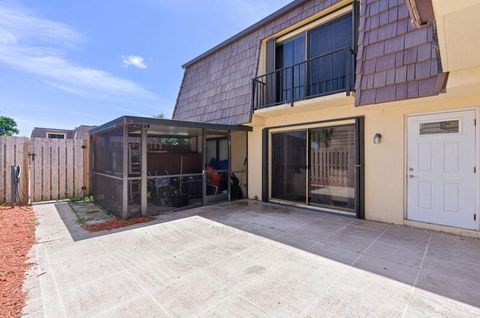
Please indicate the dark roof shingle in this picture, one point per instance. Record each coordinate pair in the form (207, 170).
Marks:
(400, 58)
(216, 87)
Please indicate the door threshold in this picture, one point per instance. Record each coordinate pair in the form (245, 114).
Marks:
(443, 228)
(311, 207)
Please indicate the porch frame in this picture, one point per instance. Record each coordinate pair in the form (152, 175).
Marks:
(143, 124)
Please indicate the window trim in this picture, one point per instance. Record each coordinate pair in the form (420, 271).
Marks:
(306, 30)
(359, 122)
(441, 134)
(319, 22)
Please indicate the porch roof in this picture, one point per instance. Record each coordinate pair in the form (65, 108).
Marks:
(175, 126)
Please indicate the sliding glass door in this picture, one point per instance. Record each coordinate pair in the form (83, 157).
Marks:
(332, 167)
(289, 166)
(318, 166)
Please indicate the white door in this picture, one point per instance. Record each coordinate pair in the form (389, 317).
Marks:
(441, 177)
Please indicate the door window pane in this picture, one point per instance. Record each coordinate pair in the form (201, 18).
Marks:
(289, 166)
(440, 127)
(332, 167)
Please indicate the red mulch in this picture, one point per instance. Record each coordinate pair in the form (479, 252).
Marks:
(17, 235)
(115, 224)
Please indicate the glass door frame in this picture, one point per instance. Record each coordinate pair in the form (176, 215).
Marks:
(267, 169)
(307, 168)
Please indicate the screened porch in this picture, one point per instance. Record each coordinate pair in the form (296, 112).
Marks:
(147, 166)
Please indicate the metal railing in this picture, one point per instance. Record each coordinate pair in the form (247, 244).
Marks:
(326, 74)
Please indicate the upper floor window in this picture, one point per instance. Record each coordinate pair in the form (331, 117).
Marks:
(56, 135)
(312, 62)
(330, 37)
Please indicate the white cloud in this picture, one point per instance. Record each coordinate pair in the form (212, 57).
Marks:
(133, 60)
(39, 46)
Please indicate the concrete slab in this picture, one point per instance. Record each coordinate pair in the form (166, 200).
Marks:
(249, 259)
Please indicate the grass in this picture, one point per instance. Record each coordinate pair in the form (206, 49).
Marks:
(90, 217)
(115, 224)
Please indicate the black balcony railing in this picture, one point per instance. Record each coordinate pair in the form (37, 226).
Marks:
(326, 74)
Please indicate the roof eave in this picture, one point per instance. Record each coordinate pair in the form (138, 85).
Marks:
(133, 120)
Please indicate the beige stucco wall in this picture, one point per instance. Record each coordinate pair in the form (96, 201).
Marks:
(457, 28)
(239, 154)
(384, 163)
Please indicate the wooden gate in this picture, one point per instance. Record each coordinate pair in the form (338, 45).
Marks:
(51, 169)
(13, 151)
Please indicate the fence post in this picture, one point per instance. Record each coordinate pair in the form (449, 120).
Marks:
(86, 167)
(13, 185)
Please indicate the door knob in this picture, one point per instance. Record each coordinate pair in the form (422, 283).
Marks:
(411, 176)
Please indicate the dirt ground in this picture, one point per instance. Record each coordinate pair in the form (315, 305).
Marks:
(17, 235)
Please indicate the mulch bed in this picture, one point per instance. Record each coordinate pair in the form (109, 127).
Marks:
(115, 224)
(17, 235)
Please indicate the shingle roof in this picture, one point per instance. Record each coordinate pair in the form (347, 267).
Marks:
(80, 132)
(216, 87)
(41, 132)
(395, 60)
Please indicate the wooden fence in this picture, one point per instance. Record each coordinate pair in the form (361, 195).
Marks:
(13, 151)
(332, 166)
(51, 169)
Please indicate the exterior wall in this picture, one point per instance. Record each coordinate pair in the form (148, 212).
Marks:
(384, 162)
(239, 155)
(398, 74)
(457, 25)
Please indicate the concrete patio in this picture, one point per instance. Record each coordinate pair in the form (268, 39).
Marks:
(248, 259)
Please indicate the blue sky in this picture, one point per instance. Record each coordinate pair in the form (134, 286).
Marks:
(66, 63)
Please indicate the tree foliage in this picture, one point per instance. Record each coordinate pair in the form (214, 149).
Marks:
(171, 140)
(8, 126)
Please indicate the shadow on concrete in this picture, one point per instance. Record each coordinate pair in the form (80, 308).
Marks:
(443, 264)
